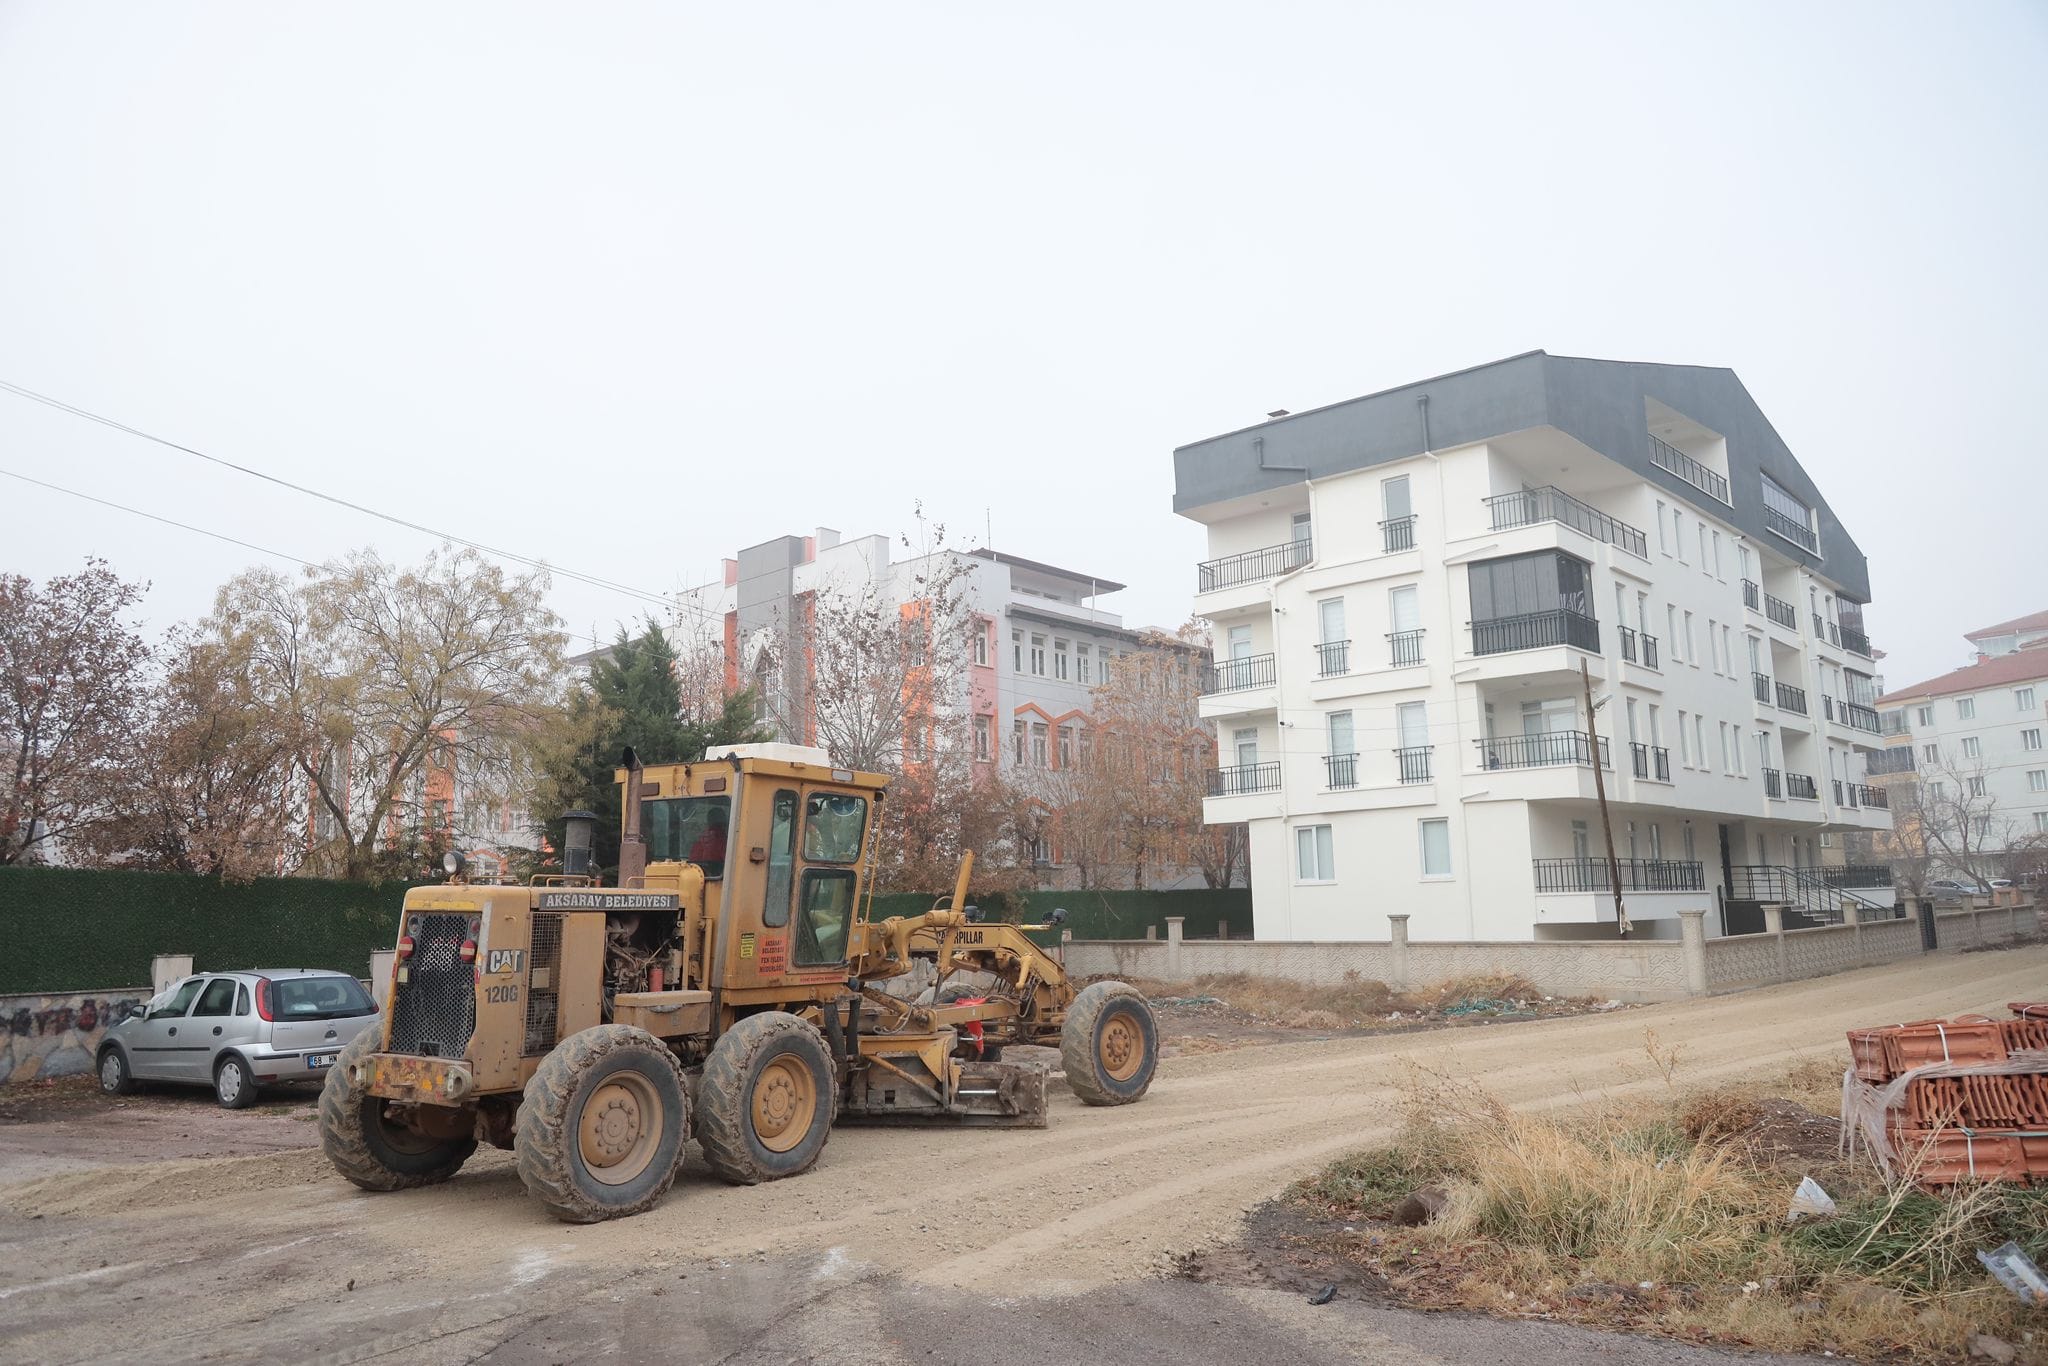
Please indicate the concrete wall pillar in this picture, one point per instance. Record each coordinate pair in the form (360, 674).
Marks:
(1852, 916)
(1692, 936)
(1774, 926)
(1397, 951)
(1173, 939)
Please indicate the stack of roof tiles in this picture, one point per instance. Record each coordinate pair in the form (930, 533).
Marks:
(1988, 1124)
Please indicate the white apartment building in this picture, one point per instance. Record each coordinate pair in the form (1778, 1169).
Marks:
(1976, 740)
(1404, 590)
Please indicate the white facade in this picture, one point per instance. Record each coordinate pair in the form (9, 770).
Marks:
(1401, 717)
(1982, 729)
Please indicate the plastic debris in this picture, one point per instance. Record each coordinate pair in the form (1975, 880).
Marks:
(1481, 1005)
(1325, 1295)
(1187, 1001)
(1810, 1202)
(2016, 1271)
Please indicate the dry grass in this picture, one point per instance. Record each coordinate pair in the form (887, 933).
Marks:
(1354, 1003)
(1542, 1207)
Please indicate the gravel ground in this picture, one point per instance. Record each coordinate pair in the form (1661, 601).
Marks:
(991, 1246)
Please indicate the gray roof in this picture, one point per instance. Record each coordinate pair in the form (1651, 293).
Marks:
(1600, 403)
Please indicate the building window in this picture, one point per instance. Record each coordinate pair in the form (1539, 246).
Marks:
(1727, 759)
(1976, 787)
(1059, 658)
(1705, 568)
(1017, 651)
(1692, 649)
(1717, 557)
(1084, 663)
(1314, 859)
(1038, 655)
(1106, 657)
(1923, 716)
(1684, 740)
(2037, 780)
(2030, 739)
(1930, 754)
(1972, 747)
(1787, 516)
(1040, 758)
(1699, 738)
(1966, 709)
(1671, 636)
(1017, 732)
(1524, 601)
(981, 645)
(1741, 763)
(984, 738)
(2023, 699)
(1656, 840)
(2041, 821)
(1663, 542)
(1066, 746)
(1940, 789)
(1690, 852)
(1728, 651)
(1436, 848)
(1678, 533)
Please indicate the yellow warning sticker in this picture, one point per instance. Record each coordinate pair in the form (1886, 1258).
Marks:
(746, 946)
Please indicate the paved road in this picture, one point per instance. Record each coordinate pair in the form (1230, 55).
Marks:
(987, 1246)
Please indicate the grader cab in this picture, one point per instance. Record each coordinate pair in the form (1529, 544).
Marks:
(733, 989)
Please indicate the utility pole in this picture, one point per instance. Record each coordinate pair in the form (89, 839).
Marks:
(1600, 790)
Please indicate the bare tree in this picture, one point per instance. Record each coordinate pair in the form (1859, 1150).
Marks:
(71, 679)
(1948, 821)
(395, 690)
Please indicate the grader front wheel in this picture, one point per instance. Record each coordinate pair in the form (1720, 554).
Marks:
(366, 1146)
(1109, 1045)
(602, 1125)
(766, 1099)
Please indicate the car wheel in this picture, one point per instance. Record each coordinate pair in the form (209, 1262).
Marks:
(115, 1078)
(233, 1084)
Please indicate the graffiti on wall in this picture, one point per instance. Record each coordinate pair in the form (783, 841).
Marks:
(56, 1036)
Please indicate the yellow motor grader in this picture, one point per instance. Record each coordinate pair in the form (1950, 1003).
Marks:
(730, 989)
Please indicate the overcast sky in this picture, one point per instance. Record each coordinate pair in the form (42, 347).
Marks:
(629, 287)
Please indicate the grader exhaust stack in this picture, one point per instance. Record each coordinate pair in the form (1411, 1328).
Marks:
(730, 989)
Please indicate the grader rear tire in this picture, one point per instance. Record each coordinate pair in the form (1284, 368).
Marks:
(1109, 1045)
(374, 1154)
(602, 1125)
(767, 1099)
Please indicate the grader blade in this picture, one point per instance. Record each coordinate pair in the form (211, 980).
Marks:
(991, 1095)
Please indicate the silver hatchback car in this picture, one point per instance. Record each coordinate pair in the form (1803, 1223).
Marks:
(238, 1031)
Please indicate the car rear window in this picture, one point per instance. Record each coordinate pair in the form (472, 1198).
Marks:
(319, 998)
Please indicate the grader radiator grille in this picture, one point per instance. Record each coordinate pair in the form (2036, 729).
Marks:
(433, 1012)
(543, 982)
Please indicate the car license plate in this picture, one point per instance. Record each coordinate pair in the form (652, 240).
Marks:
(317, 1060)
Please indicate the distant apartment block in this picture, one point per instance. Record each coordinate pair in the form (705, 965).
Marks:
(1404, 589)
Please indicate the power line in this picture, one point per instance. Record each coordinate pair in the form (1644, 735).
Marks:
(202, 531)
(574, 575)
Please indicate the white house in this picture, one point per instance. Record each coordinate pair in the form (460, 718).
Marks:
(1405, 589)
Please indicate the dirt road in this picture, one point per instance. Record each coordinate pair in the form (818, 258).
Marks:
(252, 1257)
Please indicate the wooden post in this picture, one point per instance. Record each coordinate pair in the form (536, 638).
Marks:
(1621, 924)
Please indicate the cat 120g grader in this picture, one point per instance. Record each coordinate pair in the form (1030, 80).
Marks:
(728, 990)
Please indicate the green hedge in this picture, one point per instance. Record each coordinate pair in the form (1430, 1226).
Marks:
(75, 929)
(69, 929)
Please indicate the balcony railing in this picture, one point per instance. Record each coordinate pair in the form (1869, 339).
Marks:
(1782, 612)
(1404, 649)
(1638, 648)
(1791, 698)
(1666, 456)
(1250, 566)
(1862, 794)
(1340, 770)
(1855, 641)
(1856, 716)
(1650, 761)
(1242, 778)
(1398, 533)
(1533, 631)
(1760, 685)
(1752, 596)
(1801, 785)
(1774, 783)
(1637, 875)
(1897, 759)
(1827, 706)
(1798, 533)
(1413, 763)
(1549, 504)
(1234, 675)
(1333, 657)
(1546, 750)
(1855, 875)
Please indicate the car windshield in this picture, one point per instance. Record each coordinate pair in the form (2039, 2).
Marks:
(319, 998)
